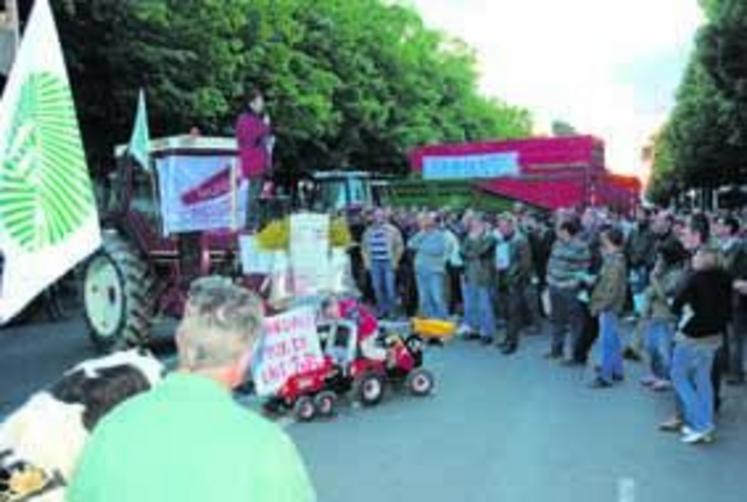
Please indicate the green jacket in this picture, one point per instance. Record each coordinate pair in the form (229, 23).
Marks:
(187, 440)
(610, 290)
(662, 289)
(521, 267)
(479, 269)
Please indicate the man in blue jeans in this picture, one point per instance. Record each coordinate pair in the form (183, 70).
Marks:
(382, 249)
(478, 250)
(432, 251)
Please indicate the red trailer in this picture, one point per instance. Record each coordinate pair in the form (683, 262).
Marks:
(549, 173)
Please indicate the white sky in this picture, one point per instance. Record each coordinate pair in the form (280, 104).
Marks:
(608, 67)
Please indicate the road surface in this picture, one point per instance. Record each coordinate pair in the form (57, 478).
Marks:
(497, 429)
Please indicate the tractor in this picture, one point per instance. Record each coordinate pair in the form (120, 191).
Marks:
(140, 272)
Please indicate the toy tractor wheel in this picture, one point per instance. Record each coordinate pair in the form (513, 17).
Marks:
(116, 295)
(325, 403)
(303, 409)
(369, 389)
(420, 382)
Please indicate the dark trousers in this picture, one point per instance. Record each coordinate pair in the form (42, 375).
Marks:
(589, 335)
(567, 316)
(454, 288)
(517, 312)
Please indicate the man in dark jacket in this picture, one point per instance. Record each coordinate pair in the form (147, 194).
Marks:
(517, 279)
(478, 249)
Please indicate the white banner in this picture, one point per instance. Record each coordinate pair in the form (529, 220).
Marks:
(254, 260)
(471, 166)
(48, 218)
(289, 346)
(309, 252)
(197, 193)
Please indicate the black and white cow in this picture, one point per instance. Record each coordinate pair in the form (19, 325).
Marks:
(45, 436)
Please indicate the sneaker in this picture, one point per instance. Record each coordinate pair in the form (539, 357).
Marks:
(599, 383)
(619, 377)
(698, 437)
(673, 424)
(486, 340)
(464, 330)
(509, 349)
(661, 385)
(649, 381)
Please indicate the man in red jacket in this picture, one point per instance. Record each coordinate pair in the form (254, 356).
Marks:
(254, 139)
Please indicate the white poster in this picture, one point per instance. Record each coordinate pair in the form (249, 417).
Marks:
(48, 217)
(197, 193)
(254, 260)
(309, 252)
(289, 346)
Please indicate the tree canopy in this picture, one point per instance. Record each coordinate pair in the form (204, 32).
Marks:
(348, 82)
(705, 141)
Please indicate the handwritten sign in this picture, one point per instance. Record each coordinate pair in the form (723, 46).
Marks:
(289, 346)
(461, 167)
(309, 252)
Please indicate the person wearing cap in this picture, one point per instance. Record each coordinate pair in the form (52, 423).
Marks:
(516, 280)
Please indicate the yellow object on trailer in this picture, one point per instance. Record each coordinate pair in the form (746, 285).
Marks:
(433, 328)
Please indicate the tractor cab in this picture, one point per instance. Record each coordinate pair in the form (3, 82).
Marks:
(343, 190)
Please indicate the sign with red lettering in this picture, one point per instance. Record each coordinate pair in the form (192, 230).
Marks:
(289, 346)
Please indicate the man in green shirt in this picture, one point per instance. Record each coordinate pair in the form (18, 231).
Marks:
(187, 440)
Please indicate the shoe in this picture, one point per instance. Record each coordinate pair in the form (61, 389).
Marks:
(618, 378)
(502, 344)
(486, 340)
(673, 424)
(599, 383)
(472, 335)
(735, 381)
(464, 330)
(631, 354)
(698, 437)
(661, 385)
(569, 363)
(649, 381)
(553, 355)
(509, 349)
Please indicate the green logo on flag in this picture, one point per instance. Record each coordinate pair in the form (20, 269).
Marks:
(45, 192)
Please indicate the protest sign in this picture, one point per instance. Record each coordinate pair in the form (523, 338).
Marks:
(309, 252)
(254, 260)
(289, 346)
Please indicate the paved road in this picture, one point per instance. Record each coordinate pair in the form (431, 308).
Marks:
(498, 429)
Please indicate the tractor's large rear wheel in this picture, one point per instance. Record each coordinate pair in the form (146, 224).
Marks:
(117, 290)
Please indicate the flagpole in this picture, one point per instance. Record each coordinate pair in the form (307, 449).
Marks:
(11, 7)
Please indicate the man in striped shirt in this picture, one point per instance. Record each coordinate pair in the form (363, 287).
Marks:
(569, 261)
(382, 248)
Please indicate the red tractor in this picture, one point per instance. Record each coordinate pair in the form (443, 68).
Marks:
(141, 273)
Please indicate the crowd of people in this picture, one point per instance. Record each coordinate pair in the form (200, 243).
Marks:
(680, 280)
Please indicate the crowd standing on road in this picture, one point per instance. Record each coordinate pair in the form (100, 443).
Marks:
(680, 279)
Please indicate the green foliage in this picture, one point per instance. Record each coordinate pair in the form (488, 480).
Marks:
(563, 128)
(348, 82)
(705, 141)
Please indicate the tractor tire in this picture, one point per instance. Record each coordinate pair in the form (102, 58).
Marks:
(325, 403)
(117, 295)
(369, 389)
(304, 409)
(420, 382)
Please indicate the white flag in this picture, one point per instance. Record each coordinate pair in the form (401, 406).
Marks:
(48, 219)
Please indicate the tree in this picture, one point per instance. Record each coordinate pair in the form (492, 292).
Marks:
(348, 82)
(562, 128)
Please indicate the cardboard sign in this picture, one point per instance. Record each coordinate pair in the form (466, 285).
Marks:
(289, 346)
(253, 259)
(309, 252)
